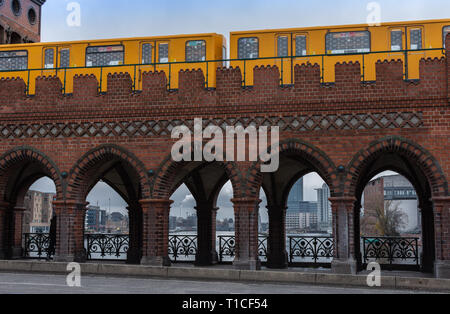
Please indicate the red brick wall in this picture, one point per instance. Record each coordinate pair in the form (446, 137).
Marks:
(20, 24)
(344, 121)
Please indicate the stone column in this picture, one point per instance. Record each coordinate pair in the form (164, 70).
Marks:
(134, 253)
(246, 229)
(206, 240)
(3, 229)
(155, 242)
(70, 218)
(277, 256)
(343, 230)
(16, 232)
(442, 236)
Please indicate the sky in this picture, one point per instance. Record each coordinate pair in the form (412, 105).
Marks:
(114, 19)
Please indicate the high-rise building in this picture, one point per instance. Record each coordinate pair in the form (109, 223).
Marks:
(302, 217)
(324, 207)
(95, 219)
(296, 194)
(20, 21)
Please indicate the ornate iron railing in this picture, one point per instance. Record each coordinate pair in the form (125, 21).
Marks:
(307, 250)
(262, 248)
(37, 245)
(182, 248)
(106, 246)
(227, 246)
(391, 251)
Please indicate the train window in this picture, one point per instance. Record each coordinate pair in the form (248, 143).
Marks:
(13, 60)
(348, 42)
(300, 45)
(49, 58)
(282, 46)
(195, 50)
(446, 32)
(248, 48)
(104, 55)
(415, 39)
(64, 58)
(147, 53)
(163, 53)
(396, 40)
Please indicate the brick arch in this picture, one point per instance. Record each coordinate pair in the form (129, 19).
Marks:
(25, 154)
(163, 185)
(405, 148)
(321, 163)
(88, 163)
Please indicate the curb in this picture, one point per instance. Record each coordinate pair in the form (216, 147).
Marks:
(389, 282)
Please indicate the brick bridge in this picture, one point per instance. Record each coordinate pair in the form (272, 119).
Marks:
(347, 132)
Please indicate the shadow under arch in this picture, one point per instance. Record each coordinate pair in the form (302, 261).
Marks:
(171, 174)
(19, 169)
(124, 173)
(296, 159)
(204, 180)
(414, 163)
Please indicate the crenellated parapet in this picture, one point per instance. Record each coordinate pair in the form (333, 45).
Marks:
(266, 94)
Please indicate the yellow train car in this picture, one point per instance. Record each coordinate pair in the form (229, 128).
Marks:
(326, 46)
(101, 57)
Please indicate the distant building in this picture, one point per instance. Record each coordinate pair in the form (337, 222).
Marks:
(172, 223)
(117, 223)
(20, 21)
(39, 212)
(95, 219)
(303, 217)
(225, 225)
(296, 194)
(396, 190)
(324, 208)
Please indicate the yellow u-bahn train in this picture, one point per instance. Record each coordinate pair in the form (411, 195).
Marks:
(326, 46)
(101, 57)
(285, 48)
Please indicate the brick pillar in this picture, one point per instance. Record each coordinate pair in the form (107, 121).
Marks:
(70, 218)
(277, 256)
(3, 229)
(155, 250)
(442, 236)
(206, 240)
(246, 228)
(134, 253)
(344, 235)
(16, 232)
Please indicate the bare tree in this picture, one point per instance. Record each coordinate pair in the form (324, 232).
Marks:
(390, 219)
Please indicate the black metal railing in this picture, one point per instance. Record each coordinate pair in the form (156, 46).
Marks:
(307, 251)
(37, 245)
(318, 251)
(391, 252)
(182, 248)
(136, 70)
(106, 246)
(227, 248)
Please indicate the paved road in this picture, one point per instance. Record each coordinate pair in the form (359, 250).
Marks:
(14, 283)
